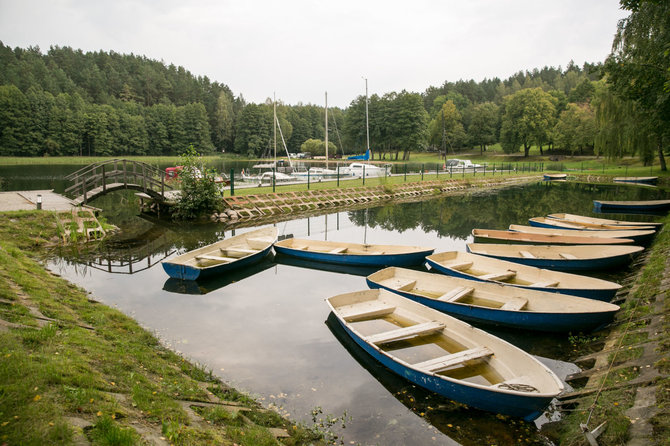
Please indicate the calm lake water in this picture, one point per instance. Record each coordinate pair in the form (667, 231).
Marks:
(267, 329)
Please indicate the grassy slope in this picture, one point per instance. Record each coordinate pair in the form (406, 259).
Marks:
(92, 362)
(611, 405)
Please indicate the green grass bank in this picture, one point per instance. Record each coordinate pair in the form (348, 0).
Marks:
(73, 370)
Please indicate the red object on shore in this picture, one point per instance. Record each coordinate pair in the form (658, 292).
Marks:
(172, 172)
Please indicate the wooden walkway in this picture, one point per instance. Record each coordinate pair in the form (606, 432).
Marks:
(26, 200)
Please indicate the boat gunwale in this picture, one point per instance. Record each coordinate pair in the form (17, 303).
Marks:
(464, 326)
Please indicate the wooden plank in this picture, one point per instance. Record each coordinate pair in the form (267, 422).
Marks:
(216, 258)
(406, 332)
(460, 266)
(498, 276)
(526, 254)
(546, 283)
(455, 294)
(514, 304)
(366, 311)
(567, 256)
(437, 365)
(404, 285)
(338, 250)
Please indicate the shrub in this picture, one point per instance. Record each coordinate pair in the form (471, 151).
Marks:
(199, 193)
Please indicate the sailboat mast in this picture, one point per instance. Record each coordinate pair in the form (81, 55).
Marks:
(274, 124)
(367, 125)
(326, 130)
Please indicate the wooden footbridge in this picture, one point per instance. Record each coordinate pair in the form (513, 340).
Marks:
(100, 178)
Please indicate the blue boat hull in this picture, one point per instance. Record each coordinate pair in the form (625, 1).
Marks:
(599, 206)
(527, 320)
(409, 259)
(527, 406)
(185, 272)
(603, 295)
(569, 265)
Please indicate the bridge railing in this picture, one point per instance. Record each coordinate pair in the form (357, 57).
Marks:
(95, 178)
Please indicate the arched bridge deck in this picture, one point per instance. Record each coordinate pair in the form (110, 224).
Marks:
(100, 178)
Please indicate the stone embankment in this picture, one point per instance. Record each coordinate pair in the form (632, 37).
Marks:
(621, 395)
(263, 208)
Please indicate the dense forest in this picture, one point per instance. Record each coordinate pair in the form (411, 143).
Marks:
(67, 102)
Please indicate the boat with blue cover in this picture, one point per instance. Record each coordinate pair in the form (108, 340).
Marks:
(352, 253)
(487, 269)
(494, 303)
(445, 355)
(223, 256)
(560, 257)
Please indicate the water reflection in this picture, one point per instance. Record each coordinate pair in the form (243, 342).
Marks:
(263, 330)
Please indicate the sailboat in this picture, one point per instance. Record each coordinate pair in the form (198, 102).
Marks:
(319, 172)
(365, 169)
(266, 172)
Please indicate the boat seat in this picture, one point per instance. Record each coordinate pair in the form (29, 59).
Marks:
(460, 266)
(365, 311)
(338, 250)
(526, 254)
(442, 363)
(215, 258)
(406, 332)
(567, 256)
(240, 249)
(237, 252)
(499, 276)
(545, 284)
(514, 304)
(404, 285)
(258, 243)
(455, 294)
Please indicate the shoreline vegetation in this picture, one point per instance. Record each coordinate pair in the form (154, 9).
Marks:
(74, 369)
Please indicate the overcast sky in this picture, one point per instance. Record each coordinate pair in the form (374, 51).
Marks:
(300, 49)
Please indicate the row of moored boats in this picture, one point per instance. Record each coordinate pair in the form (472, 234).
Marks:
(416, 322)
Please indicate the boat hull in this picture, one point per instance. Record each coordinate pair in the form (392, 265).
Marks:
(566, 265)
(186, 272)
(528, 407)
(604, 295)
(407, 259)
(526, 320)
(638, 236)
(636, 206)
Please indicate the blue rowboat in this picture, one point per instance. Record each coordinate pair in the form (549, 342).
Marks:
(487, 269)
(560, 258)
(496, 304)
(596, 222)
(352, 253)
(639, 180)
(445, 355)
(639, 237)
(223, 256)
(636, 206)
(543, 222)
(498, 236)
(555, 176)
